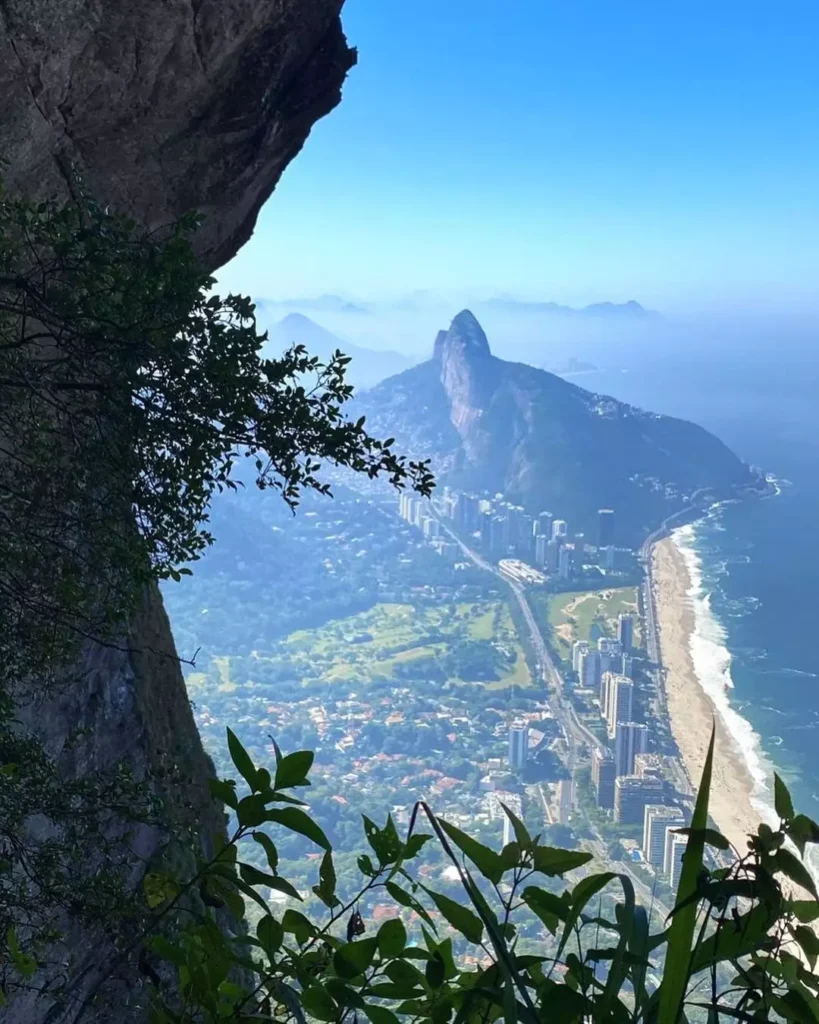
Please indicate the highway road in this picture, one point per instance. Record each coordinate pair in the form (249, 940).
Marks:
(576, 733)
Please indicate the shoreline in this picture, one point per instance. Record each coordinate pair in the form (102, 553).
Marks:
(690, 709)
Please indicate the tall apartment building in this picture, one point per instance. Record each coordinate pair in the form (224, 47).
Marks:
(657, 820)
(602, 772)
(674, 860)
(579, 648)
(559, 529)
(619, 702)
(631, 796)
(518, 745)
(605, 527)
(629, 739)
(588, 668)
(625, 631)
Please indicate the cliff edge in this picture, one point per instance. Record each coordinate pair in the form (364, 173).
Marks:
(158, 109)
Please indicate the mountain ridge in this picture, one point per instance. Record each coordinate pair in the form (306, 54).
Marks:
(367, 366)
(492, 425)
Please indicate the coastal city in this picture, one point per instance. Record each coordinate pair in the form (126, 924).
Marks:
(460, 651)
(635, 779)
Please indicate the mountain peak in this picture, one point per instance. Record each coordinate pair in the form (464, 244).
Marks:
(465, 339)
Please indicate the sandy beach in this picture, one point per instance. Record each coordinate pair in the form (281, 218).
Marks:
(691, 710)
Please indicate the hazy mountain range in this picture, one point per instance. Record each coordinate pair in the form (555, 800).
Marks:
(335, 304)
(367, 366)
(491, 425)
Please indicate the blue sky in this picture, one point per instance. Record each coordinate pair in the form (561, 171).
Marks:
(574, 150)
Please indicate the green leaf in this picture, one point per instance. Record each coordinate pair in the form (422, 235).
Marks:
(549, 908)
(709, 836)
(298, 925)
(297, 821)
(803, 830)
(25, 964)
(270, 934)
(326, 889)
(808, 940)
(167, 950)
(782, 799)
(460, 917)
(241, 759)
(269, 848)
(251, 811)
(415, 844)
(521, 834)
(366, 866)
(406, 900)
(224, 790)
(384, 841)
(804, 910)
(392, 938)
(790, 865)
(158, 889)
(485, 860)
(353, 958)
(734, 939)
(793, 1006)
(319, 1003)
(681, 932)
(381, 1015)
(292, 770)
(435, 971)
(549, 860)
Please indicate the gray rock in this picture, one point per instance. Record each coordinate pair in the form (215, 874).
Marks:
(160, 107)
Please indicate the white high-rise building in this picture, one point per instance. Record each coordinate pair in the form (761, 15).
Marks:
(588, 668)
(541, 549)
(629, 739)
(656, 823)
(559, 528)
(579, 648)
(620, 702)
(676, 850)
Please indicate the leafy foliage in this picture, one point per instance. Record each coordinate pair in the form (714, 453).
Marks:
(128, 393)
(749, 955)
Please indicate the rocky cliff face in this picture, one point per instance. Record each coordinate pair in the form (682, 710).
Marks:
(159, 108)
(166, 107)
(468, 379)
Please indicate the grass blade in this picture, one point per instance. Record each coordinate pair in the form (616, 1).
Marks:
(681, 933)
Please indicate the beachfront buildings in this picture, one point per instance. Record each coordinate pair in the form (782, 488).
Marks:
(658, 821)
(617, 701)
(603, 776)
(631, 796)
(625, 631)
(675, 850)
(630, 739)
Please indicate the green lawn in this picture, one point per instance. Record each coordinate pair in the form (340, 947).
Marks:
(587, 615)
(382, 642)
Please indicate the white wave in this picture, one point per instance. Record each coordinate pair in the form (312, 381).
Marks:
(712, 666)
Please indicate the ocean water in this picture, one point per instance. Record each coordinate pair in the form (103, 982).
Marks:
(754, 564)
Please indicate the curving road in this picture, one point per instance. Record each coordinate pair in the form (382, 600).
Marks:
(575, 731)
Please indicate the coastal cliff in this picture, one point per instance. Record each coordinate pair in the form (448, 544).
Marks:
(156, 111)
